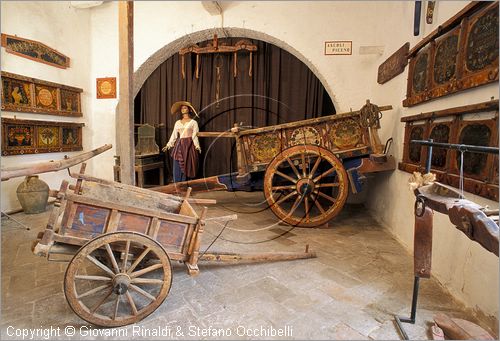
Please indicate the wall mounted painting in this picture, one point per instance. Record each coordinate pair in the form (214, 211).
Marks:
(34, 50)
(106, 87)
(26, 94)
(461, 54)
(33, 137)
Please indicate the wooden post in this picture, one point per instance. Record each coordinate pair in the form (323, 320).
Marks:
(125, 113)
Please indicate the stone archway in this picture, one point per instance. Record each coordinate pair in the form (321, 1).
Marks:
(145, 70)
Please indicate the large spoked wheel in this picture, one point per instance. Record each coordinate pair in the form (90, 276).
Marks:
(117, 279)
(305, 185)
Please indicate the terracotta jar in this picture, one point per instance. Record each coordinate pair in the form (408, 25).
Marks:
(33, 195)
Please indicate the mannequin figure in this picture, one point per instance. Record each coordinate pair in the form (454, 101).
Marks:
(184, 142)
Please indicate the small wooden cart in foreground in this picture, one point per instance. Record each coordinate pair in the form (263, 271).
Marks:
(304, 168)
(119, 241)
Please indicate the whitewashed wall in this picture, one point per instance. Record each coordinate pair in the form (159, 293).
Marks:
(65, 29)
(469, 272)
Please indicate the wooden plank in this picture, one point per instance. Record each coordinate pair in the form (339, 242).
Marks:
(310, 121)
(216, 134)
(113, 221)
(140, 211)
(467, 109)
(228, 257)
(394, 65)
(125, 113)
(50, 166)
(447, 25)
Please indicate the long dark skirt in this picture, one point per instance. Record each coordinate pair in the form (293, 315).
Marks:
(185, 153)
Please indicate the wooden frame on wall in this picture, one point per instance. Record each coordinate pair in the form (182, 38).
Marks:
(34, 50)
(33, 137)
(475, 124)
(26, 94)
(106, 87)
(461, 54)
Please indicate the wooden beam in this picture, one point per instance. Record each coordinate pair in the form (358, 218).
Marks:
(467, 109)
(125, 114)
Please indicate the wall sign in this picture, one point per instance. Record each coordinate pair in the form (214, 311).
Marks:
(33, 137)
(394, 65)
(106, 87)
(25, 94)
(338, 47)
(34, 50)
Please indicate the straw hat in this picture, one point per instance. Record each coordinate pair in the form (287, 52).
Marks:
(176, 107)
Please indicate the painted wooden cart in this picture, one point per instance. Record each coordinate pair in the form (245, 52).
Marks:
(307, 165)
(119, 241)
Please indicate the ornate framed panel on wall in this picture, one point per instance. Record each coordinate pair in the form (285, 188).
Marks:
(25, 94)
(476, 125)
(33, 137)
(34, 50)
(461, 54)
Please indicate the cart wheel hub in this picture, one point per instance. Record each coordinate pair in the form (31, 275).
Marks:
(305, 186)
(120, 284)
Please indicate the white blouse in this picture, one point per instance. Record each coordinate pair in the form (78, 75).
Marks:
(182, 130)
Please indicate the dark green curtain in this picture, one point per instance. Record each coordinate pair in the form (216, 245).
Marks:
(281, 89)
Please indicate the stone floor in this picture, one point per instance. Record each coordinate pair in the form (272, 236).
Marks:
(360, 279)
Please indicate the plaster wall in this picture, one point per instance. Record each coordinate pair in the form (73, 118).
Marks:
(468, 271)
(65, 29)
(161, 28)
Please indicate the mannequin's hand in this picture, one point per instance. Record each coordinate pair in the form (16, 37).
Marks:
(167, 147)
(198, 149)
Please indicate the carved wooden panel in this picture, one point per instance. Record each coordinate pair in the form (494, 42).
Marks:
(34, 50)
(25, 94)
(456, 126)
(459, 56)
(33, 137)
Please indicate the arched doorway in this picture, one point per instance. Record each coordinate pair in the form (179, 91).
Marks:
(281, 89)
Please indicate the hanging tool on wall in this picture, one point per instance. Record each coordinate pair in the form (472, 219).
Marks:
(416, 20)
(215, 47)
(429, 14)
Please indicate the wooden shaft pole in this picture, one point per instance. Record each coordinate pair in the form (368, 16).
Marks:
(125, 111)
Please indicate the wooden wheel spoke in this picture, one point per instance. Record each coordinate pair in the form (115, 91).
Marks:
(315, 167)
(318, 205)
(147, 281)
(295, 170)
(142, 292)
(283, 175)
(117, 304)
(100, 265)
(286, 197)
(94, 291)
(328, 172)
(101, 302)
(277, 188)
(112, 258)
(294, 206)
(138, 260)
(303, 157)
(146, 270)
(125, 257)
(131, 302)
(332, 184)
(93, 278)
(306, 206)
(326, 196)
